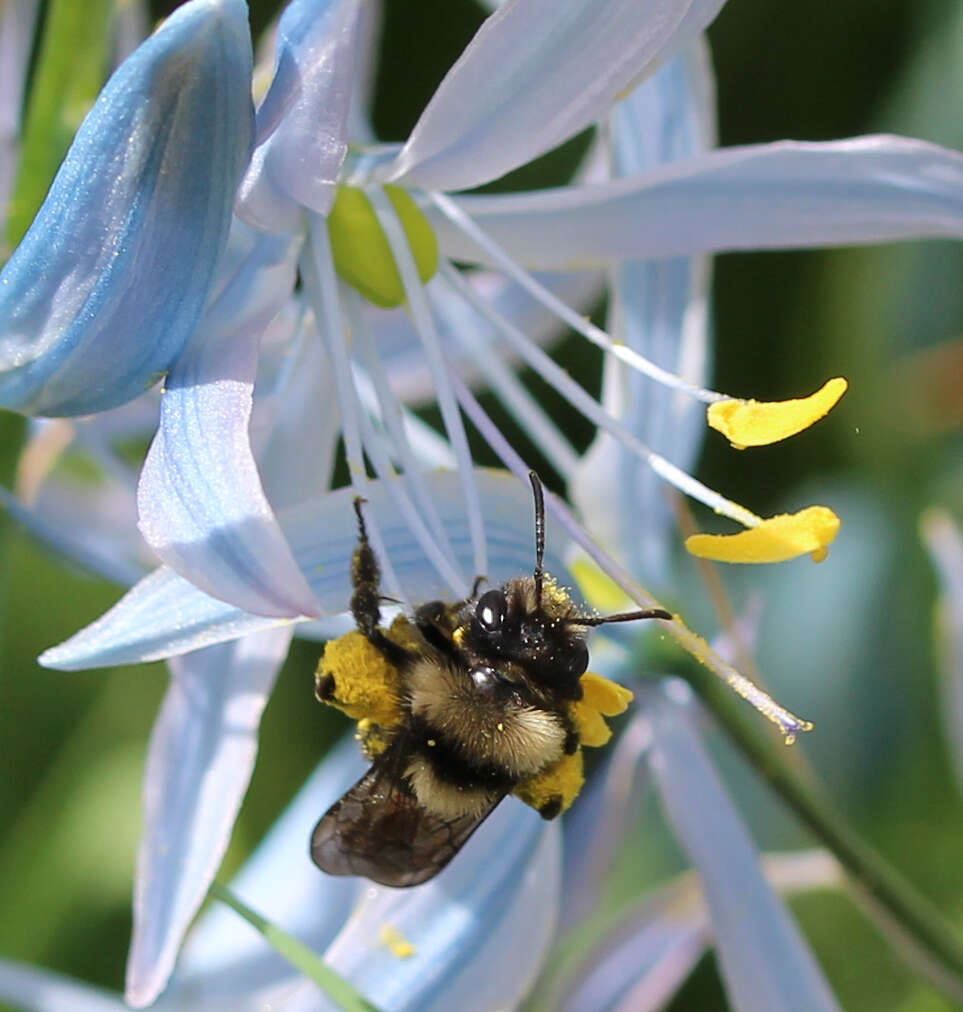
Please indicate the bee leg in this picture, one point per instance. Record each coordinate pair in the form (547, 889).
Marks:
(366, 599)
(552, 808)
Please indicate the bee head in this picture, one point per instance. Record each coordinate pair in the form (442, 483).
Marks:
(533, 624)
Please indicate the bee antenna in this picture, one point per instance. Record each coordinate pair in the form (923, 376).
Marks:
(539, 535)
(626, 616)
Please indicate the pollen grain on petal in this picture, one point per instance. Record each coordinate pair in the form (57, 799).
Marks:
(777, 539)
(758, 423)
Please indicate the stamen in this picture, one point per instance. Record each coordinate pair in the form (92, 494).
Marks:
(578, 323)
(321, 288)
(428, 445)
(392, 482)
(777, 539)
(758, 423)
(425, 326)
(553, 374)
(437, 549)
(519, 402)
(786, 420)
(788, 723)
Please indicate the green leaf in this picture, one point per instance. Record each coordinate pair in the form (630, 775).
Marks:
(298, 955)
(71, 67)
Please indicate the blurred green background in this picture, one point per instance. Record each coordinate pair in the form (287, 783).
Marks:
(849, 643)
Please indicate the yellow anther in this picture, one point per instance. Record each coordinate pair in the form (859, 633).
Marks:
(758, 423)
(777, 539)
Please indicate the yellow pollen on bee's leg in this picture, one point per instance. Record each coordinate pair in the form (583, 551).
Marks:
(758, 423)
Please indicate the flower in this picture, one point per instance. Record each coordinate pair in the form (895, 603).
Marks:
(249, 540)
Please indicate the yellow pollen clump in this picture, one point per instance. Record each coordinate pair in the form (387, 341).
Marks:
(777, 539)
(395, 942)
(362, 255)
(600, 698)
(758, 423)
(366, 686)
(561, 782)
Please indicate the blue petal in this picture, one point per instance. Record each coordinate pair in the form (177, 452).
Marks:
(765, 962)
(303, 119)
(767, 196)
(479, 930)
(559, 68)
(202, 752)
(222, 956)
(202, 507)
(164, 615)
(659, 308)
(112, 277)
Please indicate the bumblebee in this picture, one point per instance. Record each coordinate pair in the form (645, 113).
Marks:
(458, 706)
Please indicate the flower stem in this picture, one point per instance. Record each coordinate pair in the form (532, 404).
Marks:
(298, 954)
(932, 942)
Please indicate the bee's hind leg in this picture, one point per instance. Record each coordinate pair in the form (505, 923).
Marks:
(366, 598)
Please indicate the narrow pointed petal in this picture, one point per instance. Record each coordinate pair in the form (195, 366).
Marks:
(642, 964)
(494, 906)
(560, 67)
(165, 615)
(660, 309)
(36, 990)
(202, 507)
(112, 277)
(221, 955)
(765, 962)
(303, 119)
(202, 752)
(769, 196)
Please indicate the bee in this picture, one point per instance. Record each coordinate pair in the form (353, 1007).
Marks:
(478, 702)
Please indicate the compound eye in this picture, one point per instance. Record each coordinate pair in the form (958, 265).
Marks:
(578, 660)
(490, 610)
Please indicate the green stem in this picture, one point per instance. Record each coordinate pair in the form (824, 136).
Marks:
(934, 940)
(298, 954)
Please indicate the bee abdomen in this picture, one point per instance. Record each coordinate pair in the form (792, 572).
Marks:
(453, 764)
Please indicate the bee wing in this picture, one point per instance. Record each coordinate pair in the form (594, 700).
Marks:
(380, 831)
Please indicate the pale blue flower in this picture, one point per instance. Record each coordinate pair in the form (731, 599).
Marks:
(233, 497)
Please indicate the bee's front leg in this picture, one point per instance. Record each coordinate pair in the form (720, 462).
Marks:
(367, 597)
(365, 579)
